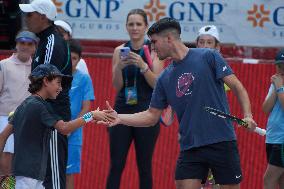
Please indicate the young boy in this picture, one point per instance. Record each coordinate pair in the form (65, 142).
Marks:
(208, 37)
(81, 95)
(32, 123)
(274, 106)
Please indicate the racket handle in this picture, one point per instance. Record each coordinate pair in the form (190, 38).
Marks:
(260, 131)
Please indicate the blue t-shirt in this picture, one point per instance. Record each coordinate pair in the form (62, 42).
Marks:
(275, 123)
(81, 90)
(190, 85)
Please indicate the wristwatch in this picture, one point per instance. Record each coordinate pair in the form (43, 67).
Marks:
(145, 69)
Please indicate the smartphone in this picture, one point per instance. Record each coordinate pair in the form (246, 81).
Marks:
(124, 52)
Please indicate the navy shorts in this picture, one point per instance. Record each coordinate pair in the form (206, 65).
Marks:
(222, 158)
(275, 154)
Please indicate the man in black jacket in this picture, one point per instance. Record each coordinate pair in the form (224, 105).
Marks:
(52, 49)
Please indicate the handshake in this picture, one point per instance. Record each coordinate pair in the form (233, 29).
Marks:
(107, 117)
(110, 117)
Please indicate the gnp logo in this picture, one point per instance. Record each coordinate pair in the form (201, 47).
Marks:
(58, 6)
(184, 10)
(88, 8)
(258, 15)
(154, 10)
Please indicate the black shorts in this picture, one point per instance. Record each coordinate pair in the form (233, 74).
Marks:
(222, 158)
(275, 154)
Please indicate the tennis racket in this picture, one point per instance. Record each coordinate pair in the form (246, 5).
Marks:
(167, 117)
(239, 121)
(7, 182)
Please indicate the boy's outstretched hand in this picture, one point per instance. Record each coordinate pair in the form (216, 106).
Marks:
(99, 115)
(111, 116)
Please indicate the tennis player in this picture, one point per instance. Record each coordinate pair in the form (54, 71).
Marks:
(194, 80)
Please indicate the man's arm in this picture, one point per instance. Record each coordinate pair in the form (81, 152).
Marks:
(241, 93)
(142, 119)
(4, 136)
(146, 118)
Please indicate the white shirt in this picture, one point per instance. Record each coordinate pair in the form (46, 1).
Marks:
(82, 66)
(14, 83)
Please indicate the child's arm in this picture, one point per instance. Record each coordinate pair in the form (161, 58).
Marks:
(278, 81)
(4, 136)
(274, 92)
(67, 127)
(86, 108)
(269, 102)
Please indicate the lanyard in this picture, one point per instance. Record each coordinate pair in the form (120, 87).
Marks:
(141, 52)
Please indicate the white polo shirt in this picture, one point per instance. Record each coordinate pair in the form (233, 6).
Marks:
(14, 83)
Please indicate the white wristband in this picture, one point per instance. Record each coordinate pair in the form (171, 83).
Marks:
(88, 117)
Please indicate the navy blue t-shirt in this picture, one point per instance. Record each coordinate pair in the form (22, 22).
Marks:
(188, 86)
(32, 123)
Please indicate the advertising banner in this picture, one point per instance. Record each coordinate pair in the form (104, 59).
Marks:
(250, 23)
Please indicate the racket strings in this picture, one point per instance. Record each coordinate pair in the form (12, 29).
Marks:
(7, 182)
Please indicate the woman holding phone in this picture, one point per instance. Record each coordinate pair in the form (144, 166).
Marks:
(133, 76)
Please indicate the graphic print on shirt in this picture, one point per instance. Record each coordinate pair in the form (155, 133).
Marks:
(183, 84)
(37, 59)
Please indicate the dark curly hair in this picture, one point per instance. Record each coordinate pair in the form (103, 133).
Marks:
(36, 83)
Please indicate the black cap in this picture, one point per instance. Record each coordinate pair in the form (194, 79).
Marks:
(279, 57)
(45, 70)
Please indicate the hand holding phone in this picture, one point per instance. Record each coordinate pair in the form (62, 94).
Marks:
(124, 52)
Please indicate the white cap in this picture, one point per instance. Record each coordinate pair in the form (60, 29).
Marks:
(45, 7)
(64, 25)
(209, 30)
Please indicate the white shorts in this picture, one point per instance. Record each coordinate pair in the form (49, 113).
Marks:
(9, 146)
(28, 183)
